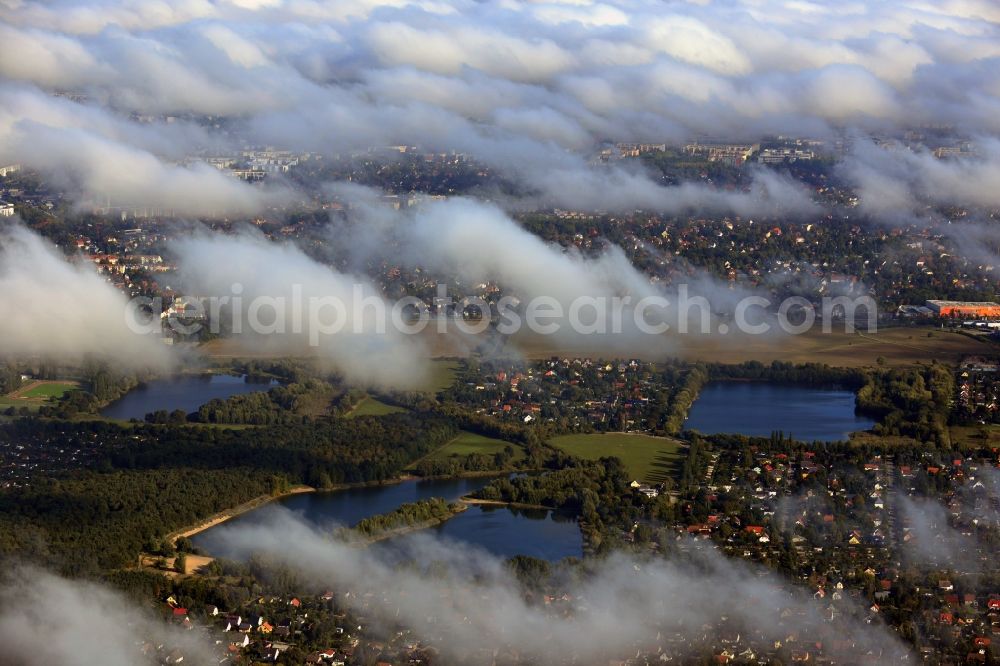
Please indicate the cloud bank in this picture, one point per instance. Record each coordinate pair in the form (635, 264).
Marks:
(532, 89)
(273, 296)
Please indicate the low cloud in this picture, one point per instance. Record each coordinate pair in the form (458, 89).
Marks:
(61, 309)
(898, 184)
(46, 619)
(284, 301)
(619, 606)
(932, 541)
(606, 304)
(104, 160)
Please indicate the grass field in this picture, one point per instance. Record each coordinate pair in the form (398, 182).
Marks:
(647, 458)
(468, 443)
(972, 436)
(369, 406)
(896, 346)
(441, 376)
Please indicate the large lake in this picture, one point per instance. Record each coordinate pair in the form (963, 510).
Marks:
(185, 392)
(760, 408)
(500, 530)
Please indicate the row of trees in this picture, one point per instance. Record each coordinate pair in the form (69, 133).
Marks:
(10, 378)
(810, 374)
(684, 397)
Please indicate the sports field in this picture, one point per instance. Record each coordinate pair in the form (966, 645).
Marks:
(647, 458)
(36, 393)
(46, 390)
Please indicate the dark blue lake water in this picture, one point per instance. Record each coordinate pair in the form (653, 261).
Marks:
(500, 530)
(760, 408)
(187, 393)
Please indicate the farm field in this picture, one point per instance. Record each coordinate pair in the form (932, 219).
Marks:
(647, 458)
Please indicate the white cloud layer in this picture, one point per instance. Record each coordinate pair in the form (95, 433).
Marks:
(528, 87)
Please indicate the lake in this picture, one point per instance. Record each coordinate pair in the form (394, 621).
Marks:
(760, 408)
(186, 392)
(508, 531)
(500, 530)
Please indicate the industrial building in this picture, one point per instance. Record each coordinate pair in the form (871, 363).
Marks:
(984, 309)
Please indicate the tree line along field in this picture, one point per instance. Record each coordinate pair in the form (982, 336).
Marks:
(647, 458)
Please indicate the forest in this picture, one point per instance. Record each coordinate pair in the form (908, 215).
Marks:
(914, 402)
(156, 479)
(594, 490)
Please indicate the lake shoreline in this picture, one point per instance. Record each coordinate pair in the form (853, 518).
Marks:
(251, 505)
(176, 391)
(492, 525)
(228, 514)
(514, 505)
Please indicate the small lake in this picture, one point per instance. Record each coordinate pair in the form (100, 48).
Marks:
(185, 392)
(760, 408)
(503, 531)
